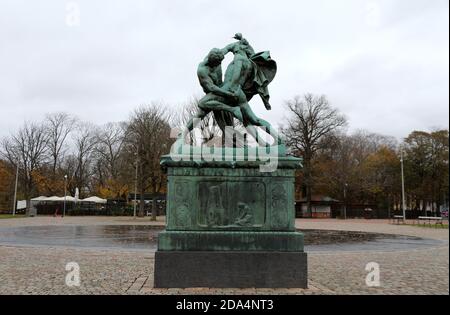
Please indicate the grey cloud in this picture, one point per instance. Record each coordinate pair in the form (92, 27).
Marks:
(388, 73)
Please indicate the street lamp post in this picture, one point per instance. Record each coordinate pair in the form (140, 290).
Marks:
(135, 182)
(65, 195)
(345, 201)
(403, 186)
(15, 191)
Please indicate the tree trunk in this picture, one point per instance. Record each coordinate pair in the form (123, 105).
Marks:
(28, 195)
(438, 201)
(308, 200)
(141, 213)
(307, 183)
(389, 205)
(154, 209)
(28, 205)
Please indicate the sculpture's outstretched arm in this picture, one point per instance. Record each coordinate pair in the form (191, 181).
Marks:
(241, 40)
(228, 48)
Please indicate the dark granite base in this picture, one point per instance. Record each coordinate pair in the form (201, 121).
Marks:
(178, 269)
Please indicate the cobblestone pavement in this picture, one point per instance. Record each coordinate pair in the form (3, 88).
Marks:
(28, 270)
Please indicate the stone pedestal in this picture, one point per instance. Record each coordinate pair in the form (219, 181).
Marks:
(230, 224)
(226, 269)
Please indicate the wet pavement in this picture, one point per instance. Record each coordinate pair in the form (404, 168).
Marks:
(121, 237)
(144, 238)
(32, 262)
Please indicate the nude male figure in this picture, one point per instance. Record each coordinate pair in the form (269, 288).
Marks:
(238, 74)
(209, 73)
(228, 100)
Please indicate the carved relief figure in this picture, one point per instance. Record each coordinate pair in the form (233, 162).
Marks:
(245, 217)
(279, 213)
(216, 211)
(181, 214)
(182, 218)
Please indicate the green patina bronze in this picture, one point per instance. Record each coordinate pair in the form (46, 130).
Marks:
(247, 75)
(230, 241)
(230, 206)
(230, 209)
(228, 198)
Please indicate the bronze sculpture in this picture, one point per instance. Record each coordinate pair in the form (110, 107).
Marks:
(247, 75)
(230, 210)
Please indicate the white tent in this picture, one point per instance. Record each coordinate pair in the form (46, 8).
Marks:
(40, 198)
(53, 198)
(36, 201)
(94, 199)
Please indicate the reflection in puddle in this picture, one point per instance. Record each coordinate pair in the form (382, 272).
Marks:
(130, 237)
(142, 237)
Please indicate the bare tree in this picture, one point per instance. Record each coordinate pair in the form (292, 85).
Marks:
(311, 119)
(27, 149)
(426, 168)
(85, 140)
(361, 167)
(109, 151)
(206, 131)
(58, 127)
(148, 136)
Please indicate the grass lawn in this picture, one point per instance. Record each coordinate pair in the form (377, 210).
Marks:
(432, 226)
(10, 216)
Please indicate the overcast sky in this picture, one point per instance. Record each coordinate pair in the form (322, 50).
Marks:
(383, 63)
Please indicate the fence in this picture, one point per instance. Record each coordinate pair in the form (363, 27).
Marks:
(111, 208)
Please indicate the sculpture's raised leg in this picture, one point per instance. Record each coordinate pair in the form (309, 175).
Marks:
(252, 120)
(252, 130)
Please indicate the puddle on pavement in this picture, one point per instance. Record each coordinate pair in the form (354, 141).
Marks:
(141, 237)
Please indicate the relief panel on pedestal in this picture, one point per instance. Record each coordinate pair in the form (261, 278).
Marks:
(279, 211)
(181, 205)
(231, 205)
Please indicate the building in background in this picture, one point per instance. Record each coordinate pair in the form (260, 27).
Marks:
(322, 207)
